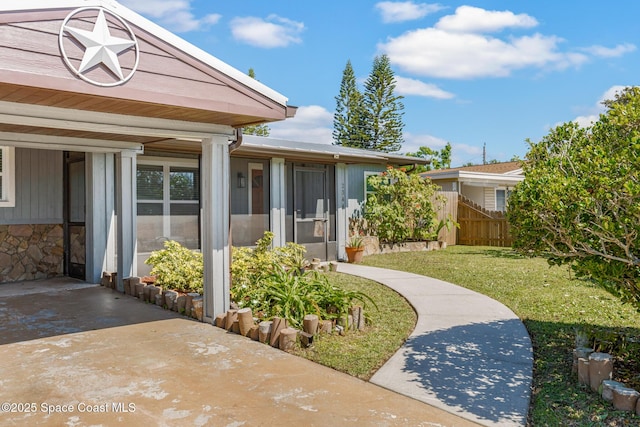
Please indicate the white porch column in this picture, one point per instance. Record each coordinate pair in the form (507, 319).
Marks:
(99, 214)
(215, 224)
(278, 202)
(127, 214)
(342, 215)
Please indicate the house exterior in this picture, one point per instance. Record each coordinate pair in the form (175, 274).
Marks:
(303, 192)
(95, 102)
(116, 135)
(485, 185)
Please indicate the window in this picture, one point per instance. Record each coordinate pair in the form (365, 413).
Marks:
(502, 197)
(368, 189)
(7, 178)
(168, 203)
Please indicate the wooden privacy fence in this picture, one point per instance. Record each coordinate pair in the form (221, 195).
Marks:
(448, 210)
(480, 227)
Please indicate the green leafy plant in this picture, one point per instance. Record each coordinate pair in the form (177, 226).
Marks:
(402, 207)
(355, 242)
(177, 268)
(250, 266)
(447, 223)
(337, 301)
(293, 256)
(273, 282)
(293, 296)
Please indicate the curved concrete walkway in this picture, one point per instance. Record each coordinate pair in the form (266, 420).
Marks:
(469, 354)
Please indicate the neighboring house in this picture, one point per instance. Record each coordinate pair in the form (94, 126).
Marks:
(486, 185)
(104, 157)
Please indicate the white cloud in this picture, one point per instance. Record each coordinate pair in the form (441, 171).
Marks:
(393, 11)
(468, 19)
(311, 123)
(274, 31)
(593, 113)
(406, 86)
(412, 143)
(458, 47)
(610, 52)
(460, 153)
(463, 153)
(173, 14)
(436, 53)
(585, 121)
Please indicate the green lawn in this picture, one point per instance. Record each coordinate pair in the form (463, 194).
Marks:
(361, 353)
(553, 305)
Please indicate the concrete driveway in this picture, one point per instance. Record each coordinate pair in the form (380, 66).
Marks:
(72, 355)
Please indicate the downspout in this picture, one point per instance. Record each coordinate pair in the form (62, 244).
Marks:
(236, 142)
(413, 167)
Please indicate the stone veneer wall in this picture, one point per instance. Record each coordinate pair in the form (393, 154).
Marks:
(29, 252)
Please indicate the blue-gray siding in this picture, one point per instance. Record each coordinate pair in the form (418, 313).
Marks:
(38, 175)
(355, 184)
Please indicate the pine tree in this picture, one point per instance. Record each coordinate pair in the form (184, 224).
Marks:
(383, 109)
(258, 130)
(347, 119)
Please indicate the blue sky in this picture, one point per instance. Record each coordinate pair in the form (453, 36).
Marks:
(471, 72)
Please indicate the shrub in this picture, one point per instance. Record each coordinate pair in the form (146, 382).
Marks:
(177, 268)
(401, 207)
(250, 266)
(292, 296)
(579, 203)
(272, 282)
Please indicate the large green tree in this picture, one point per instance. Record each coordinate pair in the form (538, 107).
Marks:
(383, 109)
(579, 203)
(440, 159)
(348, 118)
(371, 120)
(260, 129)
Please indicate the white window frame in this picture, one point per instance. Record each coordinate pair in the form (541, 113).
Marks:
(507, 192)
(367, 174)
(8, 177)
(166, 164)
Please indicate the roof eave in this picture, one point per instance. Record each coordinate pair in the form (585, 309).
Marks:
(149, 26)
(324, 152)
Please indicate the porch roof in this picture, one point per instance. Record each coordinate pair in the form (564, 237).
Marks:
(170, 81)
(299, 150)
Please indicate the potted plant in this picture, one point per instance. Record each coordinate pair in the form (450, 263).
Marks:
(355, 249)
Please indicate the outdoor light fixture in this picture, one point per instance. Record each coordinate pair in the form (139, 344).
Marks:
(242, 181)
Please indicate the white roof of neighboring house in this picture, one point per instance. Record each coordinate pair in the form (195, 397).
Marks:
(143, 23)
(317, 151)
(492, 174)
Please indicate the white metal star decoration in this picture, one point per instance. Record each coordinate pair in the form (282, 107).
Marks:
(100, 47)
